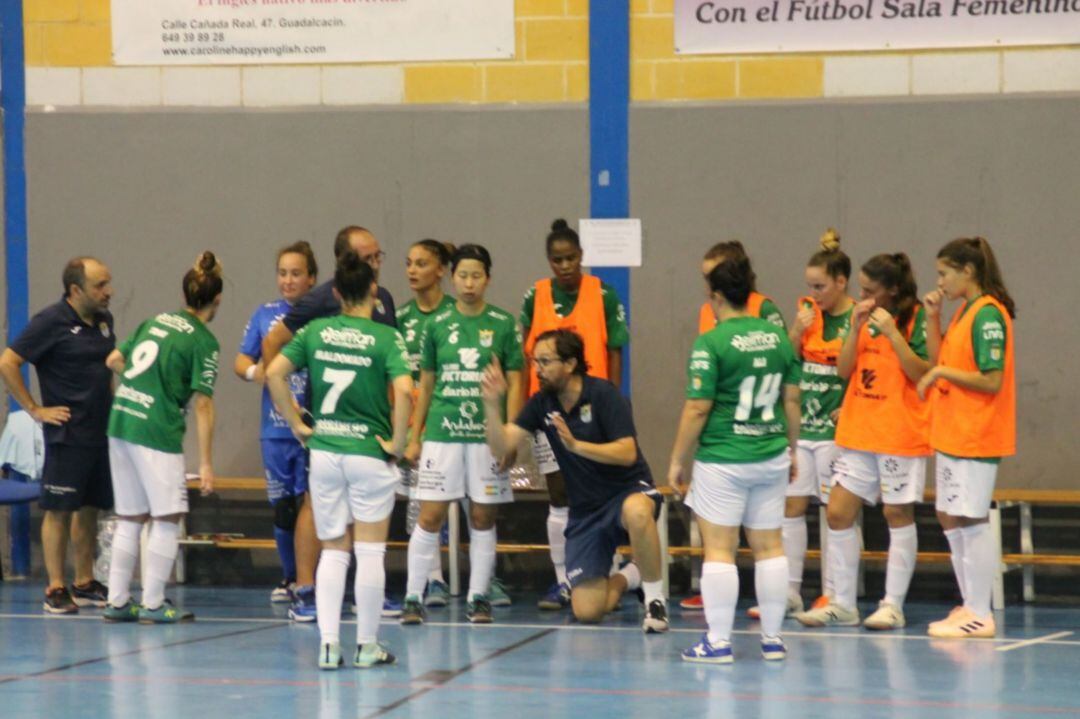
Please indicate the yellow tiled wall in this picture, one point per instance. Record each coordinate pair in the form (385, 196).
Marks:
(550, 64)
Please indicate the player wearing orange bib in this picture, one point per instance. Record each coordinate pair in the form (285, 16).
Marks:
(582, 303)
(972, 392)
(822, 322)
(883, 433)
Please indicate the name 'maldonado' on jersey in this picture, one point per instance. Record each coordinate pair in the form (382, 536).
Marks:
(350, 363)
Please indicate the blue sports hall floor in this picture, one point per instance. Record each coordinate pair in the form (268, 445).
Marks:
(243, 658)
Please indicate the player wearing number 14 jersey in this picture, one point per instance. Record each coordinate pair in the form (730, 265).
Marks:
(742, 412)
(169, 358)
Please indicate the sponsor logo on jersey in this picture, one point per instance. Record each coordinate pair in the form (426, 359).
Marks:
(469, 410)
(868, 377)
(470, 357)
(76, 329)
(158, 332)
(134, 395)
(993, 330)
(586, 413)
(348, 338)
(696, 382)
(104, 328)
(175, 322)
(761, 362)
(756, 341)
(995, 353)
(487, 338)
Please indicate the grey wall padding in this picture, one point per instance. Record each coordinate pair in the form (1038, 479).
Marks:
(147, 190)
(891, 176)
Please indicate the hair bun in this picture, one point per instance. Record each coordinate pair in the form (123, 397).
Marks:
(559, 225)
(207, 264)
(450, 248)
(830, 240)
(349, 260)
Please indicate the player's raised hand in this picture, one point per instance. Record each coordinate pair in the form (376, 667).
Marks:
(861, 312)
(493, 383)
(932, 302)
(804, 317)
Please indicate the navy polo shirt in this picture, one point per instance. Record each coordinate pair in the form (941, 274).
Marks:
(320, 302)
(601, 415)
(69, 358)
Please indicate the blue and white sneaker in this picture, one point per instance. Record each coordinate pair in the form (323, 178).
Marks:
(706, 653)
(390, 608)
(557, 597)
(437, 594)
(773, 649)
(302, 608)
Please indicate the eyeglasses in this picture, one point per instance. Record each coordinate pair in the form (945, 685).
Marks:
(543, 362)
(376, 257)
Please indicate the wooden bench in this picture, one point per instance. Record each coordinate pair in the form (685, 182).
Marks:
(1023, 499)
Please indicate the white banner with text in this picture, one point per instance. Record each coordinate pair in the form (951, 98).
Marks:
(244, 32)
(768, 26)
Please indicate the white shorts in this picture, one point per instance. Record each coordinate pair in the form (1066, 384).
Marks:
(452, 470)
(146, 481)
(347, 488)
(816, 466)
(751, 495)
(888, 478)
(544, 455)
(965, 487)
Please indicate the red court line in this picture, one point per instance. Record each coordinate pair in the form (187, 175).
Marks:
(585, 691)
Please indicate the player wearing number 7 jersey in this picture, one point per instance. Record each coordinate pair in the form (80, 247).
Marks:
(742, 412)
(167, 360)
(355, 443)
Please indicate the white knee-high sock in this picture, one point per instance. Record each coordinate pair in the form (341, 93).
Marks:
(368, 588)
(161, 549)
(330, 592)
(720, 594)
(826, 574)
(481, 560)
(956, 555)
(844, 565)
(125, 552)
(903, 548)
(556, 526)
(632, 575)
(795, 541)
(423, 546)
(435, 574)
(980, 562)
(770, 585)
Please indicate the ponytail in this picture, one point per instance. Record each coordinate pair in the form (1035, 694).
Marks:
(976, 251)
(442, 251)
(894, 273)
(723, 252)
(202, 283)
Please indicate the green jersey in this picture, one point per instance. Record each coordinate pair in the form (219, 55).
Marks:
(742, 366)
(350, 362)
(457, 348)
(412, 320)
(166, 359)
(770, 312)
(618, 334)
(821, 387)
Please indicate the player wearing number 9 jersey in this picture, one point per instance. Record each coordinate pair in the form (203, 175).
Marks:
(355, 443)
(166, 361)
(742, 412)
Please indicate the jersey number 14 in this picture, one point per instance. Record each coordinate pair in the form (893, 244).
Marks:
(768, 392)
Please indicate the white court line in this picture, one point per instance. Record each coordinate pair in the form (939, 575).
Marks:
(1010, 642)
(1037, 640)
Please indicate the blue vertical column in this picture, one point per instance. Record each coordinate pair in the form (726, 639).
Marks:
(13, 102)
(609, 105)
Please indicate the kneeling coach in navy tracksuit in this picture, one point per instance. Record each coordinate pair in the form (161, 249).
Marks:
(609, 486)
